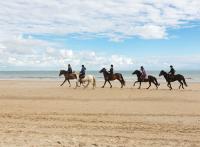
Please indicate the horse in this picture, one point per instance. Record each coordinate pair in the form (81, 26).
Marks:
(108, 78)
(150, 79)
(89, 79)
(180, 78)
(69, 77)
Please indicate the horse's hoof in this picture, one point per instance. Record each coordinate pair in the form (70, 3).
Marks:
(102, 87)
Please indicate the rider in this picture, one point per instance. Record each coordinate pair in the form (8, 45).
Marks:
(69, 70)
(144, 74)
(171, 72)
(111, 71)
(82, 72)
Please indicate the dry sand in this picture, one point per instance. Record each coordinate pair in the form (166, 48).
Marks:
(40, 113)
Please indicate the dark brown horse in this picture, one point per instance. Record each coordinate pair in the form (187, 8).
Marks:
(150, 79)
(68, 77)
(108, 77)
(169, 79)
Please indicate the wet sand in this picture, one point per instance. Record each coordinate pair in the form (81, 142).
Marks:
(40, 113)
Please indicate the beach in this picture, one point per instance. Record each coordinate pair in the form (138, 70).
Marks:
(41, 113)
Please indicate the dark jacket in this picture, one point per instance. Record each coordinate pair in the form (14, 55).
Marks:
(144, 74)
(111, 70)
(69, 70)
(172, 71)
(82, 72)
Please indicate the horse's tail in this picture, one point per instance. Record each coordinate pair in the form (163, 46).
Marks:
(184, 82)
(94, 82)
(158, 84)
(154, 80)
(123, 81)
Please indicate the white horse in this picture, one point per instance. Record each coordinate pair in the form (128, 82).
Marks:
(89, 79)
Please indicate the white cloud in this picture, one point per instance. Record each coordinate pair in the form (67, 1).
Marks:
(114, 19)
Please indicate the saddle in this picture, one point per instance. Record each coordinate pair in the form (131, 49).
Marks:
(111, 76)
(171, 77)
(71, 74)
(145, 79)
(81, 76)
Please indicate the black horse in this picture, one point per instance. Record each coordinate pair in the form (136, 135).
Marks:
(108, 78)
(169, 79)
(150, 79)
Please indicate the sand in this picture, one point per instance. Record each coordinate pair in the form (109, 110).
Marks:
(40, 113)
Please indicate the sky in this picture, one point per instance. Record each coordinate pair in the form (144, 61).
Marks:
(50, 34)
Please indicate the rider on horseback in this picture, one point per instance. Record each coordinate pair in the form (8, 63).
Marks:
(69, 70)
(144, 75)
(82, 72)
(171, 72)
(111, 71)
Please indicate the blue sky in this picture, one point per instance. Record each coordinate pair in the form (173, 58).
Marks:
(48, 35)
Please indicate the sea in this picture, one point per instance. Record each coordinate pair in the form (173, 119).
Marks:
(191, 76)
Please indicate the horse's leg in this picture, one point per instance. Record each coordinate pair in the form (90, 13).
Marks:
(149, 85)
(140, 85)
(170, 86)
(121, 83)
(110, 84)
(87, 84)
(69, 83)
(155, 84)
(104, 84)
(76, 84)
(63, 82)
(135, 83)
(181, 85)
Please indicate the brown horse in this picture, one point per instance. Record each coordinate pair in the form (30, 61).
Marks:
(150, 79)
(108, 78)
(69, 77)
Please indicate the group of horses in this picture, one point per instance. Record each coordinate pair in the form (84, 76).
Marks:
(118, 76)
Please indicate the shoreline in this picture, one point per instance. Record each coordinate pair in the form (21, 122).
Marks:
(162, 81)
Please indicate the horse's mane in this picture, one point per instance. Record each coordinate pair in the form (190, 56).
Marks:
(163, 71)
(138, 71)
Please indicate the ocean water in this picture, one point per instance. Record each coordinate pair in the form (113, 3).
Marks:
(191, 76)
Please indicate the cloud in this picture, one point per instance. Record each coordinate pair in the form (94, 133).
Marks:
(30, 53)
(113, 19)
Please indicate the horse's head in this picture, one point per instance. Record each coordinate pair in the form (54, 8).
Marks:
(61, 72)
(162, 73)
(102, 70)
(136, 72)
